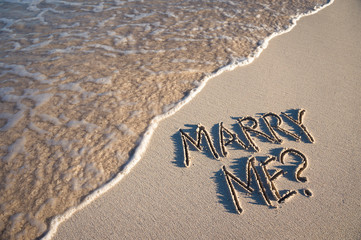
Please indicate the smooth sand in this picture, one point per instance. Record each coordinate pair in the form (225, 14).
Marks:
(316, 67)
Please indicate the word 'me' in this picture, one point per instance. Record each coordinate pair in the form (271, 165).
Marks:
(251, 169)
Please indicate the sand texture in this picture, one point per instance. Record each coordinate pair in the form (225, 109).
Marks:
(81, 82)
(315, 67)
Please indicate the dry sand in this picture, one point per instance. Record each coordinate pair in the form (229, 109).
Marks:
(315, 67)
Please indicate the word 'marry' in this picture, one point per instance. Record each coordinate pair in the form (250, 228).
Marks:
(246, 132)
(227, 137)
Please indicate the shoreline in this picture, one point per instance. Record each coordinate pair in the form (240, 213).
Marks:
(141, 148)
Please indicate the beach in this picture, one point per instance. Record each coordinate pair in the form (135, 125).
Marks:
(84, 85)
(316, 68)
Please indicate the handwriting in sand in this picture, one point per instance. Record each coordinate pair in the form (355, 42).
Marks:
(249, 127)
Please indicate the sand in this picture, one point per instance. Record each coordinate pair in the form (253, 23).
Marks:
(315, 67)
(81, 82)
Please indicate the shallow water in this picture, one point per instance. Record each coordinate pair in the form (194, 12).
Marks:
(81, 81)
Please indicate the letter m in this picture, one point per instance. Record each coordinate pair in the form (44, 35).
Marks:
(201, 131)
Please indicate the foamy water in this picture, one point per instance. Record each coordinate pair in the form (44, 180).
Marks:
(81, 82)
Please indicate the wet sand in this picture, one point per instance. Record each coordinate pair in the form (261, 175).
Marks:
(315, 67)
